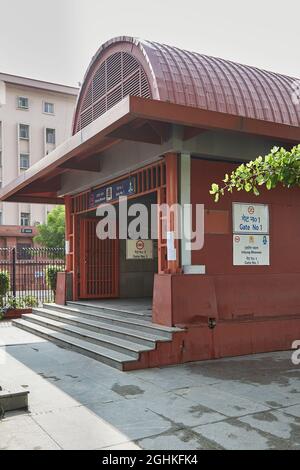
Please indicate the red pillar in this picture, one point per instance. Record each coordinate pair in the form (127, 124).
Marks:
(171, 199)
(68, 209)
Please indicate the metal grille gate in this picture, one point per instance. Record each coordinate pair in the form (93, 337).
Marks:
(99, 263)
(27, 268)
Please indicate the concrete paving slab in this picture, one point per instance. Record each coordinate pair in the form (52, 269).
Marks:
(259, 369)
(276, 423)
(293, 410)
(80, 429)
(23, 433)
(222, 402)
(11, 336)
(182, 412)
(132, 418)
(174, 377)
(272, 395)
(124, 446)
(232, 436)
(183, 439)
(77, 402)
(87, 392)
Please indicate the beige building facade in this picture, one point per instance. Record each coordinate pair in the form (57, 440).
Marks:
(35, 117)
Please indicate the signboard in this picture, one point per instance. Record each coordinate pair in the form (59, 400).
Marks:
(171, 249)
(251, 250)
(250, 218)
(139, 249)
(26, 230)
(111, 193)
(67, 247)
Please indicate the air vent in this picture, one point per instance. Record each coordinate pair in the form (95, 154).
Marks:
(118, 76)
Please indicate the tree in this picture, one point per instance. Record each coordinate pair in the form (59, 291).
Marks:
(279, 167)
(52, 234)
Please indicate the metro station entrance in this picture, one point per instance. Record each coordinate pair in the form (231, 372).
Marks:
(104, 269)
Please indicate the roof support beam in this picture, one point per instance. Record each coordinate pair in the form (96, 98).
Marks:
(87, 164)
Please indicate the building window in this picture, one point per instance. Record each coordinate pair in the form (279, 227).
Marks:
(1, 219)
(0, 158)
(50, 136)
(48, 108)
(24, 131)
(25, 219)
(24, 161)
(23, 103)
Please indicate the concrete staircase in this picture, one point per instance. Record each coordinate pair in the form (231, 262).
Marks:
(121, 339)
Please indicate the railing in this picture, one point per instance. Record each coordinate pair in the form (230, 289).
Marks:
(27, 268)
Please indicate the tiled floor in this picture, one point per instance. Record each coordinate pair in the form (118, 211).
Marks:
(77, 403)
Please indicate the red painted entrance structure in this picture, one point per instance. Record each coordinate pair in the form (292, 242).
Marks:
(178, 121)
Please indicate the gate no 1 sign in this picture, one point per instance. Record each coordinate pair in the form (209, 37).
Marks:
(139, 249)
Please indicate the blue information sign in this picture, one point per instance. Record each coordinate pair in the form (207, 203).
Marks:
(111, 193)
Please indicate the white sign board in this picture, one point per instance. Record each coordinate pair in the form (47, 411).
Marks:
(250, 218)
(67, 247)
(139, 249)
(171, 249)
(251, 250)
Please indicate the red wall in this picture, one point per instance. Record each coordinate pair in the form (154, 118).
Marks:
(217, 254)
(255, 308)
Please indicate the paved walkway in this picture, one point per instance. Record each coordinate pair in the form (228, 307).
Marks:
(78, 403)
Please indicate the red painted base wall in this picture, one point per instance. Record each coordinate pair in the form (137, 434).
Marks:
(252, 314)
(255, 308)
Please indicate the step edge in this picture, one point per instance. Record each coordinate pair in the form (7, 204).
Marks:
(128, 331)
(53, 333)
(150, 325)
(31, 317)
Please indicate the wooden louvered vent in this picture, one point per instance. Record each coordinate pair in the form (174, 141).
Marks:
(118, 76)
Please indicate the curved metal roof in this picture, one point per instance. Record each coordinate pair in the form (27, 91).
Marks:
(205, 82)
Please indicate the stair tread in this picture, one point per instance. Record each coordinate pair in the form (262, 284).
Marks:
(93, 348)
(110, 315)
(131, 345)
(108, 309)
(102, 325)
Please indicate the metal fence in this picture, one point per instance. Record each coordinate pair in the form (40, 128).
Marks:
(27, 268)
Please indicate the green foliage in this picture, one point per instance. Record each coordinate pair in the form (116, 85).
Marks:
(51, 276)
(280, 166)
(4, 286)
(52, 234)
(12, 303)
(29, 301)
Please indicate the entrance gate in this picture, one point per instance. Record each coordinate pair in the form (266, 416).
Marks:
(94, 263)
(99, 263)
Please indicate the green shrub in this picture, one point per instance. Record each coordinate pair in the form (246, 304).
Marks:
(12, 303)
(29, 301)
(4, 286)
(51, 276)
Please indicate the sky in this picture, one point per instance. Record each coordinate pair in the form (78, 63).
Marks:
(54, 40)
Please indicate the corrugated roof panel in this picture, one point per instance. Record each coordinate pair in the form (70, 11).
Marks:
(193, 79)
